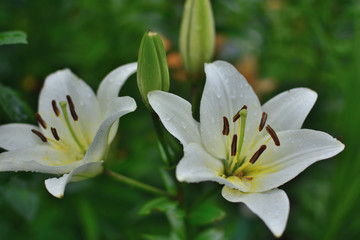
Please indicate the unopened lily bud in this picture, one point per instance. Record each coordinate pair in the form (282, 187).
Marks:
(152, 69)
(197, 35)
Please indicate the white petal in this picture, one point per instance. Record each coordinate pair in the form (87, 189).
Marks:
(289, 109)
(16, 136)
(117, 108)
(298, 150)
(271, 206)
(176, 115)
(199, 166)
(109, 87)
(57, 86)
(43, 159)
(226, 92)
(56, 186)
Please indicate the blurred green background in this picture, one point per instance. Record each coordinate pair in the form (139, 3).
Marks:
(276, 44)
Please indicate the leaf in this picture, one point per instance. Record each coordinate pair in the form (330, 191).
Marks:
(210, 234)
(22, 199)
(155, 237)
(13, 37)
(168, 181)
(161, 204)
(176, 218)
(88, 219)
(206, 214)
(13, 106)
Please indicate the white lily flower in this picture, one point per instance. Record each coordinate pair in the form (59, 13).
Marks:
(75, 129)
(251, 149)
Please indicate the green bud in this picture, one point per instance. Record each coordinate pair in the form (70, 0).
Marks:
(152, 70)
(197, 35)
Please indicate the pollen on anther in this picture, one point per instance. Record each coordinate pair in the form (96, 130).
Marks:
(40, 120)
(55, 108)
(72, 108)
(234, 145)
(40, 135)
(262, 121)
(55, 134)
(237, 115)
(257, 154)
(226, 128)
(273, 135)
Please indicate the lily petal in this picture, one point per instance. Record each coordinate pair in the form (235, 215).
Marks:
(109, 87)
(271, 206)
(199, 166)
(56, 186)
(176, 115)
(56, 87)
(17, 136)
(42, 158)
(226, 92)
(289, 109)
(298, 150)
(117, 108)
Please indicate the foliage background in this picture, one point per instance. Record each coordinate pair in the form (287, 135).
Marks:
(276, 44)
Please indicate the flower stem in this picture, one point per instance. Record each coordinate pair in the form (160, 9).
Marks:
(135, 183)
(161, 137)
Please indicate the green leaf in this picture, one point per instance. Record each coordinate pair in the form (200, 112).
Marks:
(13, 37)
(210, 234)
(168, 181)
(176, 218)
(161, 204)
(155, 237)
(13, 106)
(22, 199)
(88, 218)
(206, 214)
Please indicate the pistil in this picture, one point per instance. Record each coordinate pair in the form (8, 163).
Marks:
(68, 124)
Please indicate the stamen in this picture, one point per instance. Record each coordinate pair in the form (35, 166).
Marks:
(54, 133)
(72, 108)
(262, 121)
(237, 115)
(40, 135)
(234, 145)
(257, 154)
(226, 128)
(273, 135)
(55, 108)
(40, 120)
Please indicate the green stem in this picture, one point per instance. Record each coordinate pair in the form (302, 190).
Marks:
(135, 183)
(162, 141)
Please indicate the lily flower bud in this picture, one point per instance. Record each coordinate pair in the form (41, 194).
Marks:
(197, 35)
(152, 69)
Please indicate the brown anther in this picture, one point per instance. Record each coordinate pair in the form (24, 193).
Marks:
(40, 135)
(237, 115)
(273, 135)
(72, 108)
(55, 134)
(234, 145)
(40, 120)
(248, 178)
(56, 110)
(262, 121)
(257, 154)
(226, 128)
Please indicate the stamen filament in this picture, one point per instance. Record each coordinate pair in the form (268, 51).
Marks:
(68, 124)
(273, 135)
(40, 120)
(242, 124)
